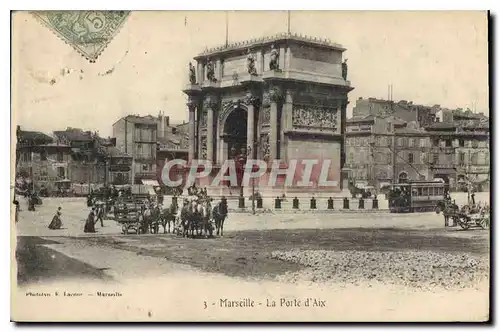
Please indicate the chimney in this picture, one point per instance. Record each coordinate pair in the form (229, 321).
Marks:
(167, 118)
(160, 125)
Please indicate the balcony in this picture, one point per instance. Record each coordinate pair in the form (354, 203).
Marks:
(145, 157)
(146, 175)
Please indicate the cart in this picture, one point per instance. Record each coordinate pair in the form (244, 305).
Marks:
(467, 218)
(128, 214)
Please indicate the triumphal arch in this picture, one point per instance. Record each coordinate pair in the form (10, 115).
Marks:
(278, 98)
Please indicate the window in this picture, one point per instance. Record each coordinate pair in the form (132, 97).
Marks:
(474, 158)
(410, 158)
(389, 126)
(60, 172)
(474, 144)
(43, 155)
(411, 142)
(435, 142)
(350, 158)
(60, 156)
(425, 191)
(461, 143)
(419, 191)
(400, 141)
(461, 158)
(448, 143)
(435, 158)
(422, 142)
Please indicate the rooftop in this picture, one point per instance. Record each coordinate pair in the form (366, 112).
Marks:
(25, 135)
(73, 135)
(356, 119)
(115, 152)
(177, 141)
(299, 38)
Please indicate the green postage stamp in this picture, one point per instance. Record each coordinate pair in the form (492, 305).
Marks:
(89, 32)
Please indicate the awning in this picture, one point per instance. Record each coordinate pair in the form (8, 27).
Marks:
(148, 182)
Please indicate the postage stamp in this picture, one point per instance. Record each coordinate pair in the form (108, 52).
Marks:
(88, 32)
(255, 175)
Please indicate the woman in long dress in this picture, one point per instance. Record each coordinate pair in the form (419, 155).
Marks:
(90, 223)
(56, 220)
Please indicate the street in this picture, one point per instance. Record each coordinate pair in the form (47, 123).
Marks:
(412, 255)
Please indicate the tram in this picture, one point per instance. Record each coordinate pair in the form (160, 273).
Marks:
(416, 196)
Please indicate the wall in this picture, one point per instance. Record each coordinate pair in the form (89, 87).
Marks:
(309, 59)
(120, 129)
(320, 149)
(83, 173)
(237, 64)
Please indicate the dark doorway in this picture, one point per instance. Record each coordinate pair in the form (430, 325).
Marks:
(235, 130)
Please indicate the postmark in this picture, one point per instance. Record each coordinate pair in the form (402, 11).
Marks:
(88, 32)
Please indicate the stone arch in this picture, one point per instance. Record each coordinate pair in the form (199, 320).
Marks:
(227, 108)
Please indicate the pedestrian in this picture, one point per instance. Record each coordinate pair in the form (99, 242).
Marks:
(90, 224)
(31, 203)
(100, 213)
(16, 215)
(56, 220)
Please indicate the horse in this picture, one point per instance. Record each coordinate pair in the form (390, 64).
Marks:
(168, 216)
(450, 209)
(219, 214)
(155, 218)
(183, 218)
(145, 218)
(203, 215)
(195, 218)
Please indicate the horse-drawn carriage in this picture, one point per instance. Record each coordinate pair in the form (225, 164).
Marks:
(471, 215)
(128, 214)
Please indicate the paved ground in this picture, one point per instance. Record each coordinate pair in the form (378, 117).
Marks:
(75, 212)
(242, 264)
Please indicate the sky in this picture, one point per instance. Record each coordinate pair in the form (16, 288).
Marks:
(428, 57)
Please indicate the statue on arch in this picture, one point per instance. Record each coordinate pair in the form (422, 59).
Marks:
(251, 63)
(274, 62)
(211, 71)
(344, 69)
(192, 74)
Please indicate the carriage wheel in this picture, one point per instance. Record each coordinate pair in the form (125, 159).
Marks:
(483, 223)
(463, 222)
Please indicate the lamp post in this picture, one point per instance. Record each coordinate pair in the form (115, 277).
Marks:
(249, 152)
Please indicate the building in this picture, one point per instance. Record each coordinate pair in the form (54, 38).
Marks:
(383, 148)
(41, 159)
(404, 110)
(119, 166)
(88, 159)
(282, 97)
(460, 152)
(173, 143)
(137, 136)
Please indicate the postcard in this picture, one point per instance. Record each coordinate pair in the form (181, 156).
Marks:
(250, 166)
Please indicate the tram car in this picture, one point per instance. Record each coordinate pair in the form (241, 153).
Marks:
(416, 196)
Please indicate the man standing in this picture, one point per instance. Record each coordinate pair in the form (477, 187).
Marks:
(100, 213)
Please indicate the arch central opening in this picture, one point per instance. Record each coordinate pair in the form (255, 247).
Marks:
(235, 130)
